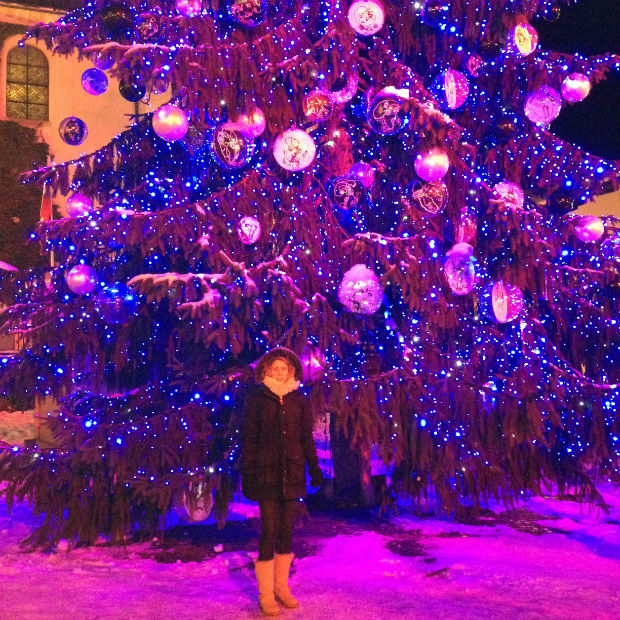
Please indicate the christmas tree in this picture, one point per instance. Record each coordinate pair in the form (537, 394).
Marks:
(372, 184)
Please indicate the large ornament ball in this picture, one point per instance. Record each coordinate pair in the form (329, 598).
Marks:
(432, 164)
(148, 28)
(360, 290)
(230, 147)
(73, 130)
(543, 105)
(347, 92)
(364, 172)
(194, 502)
(511, 194)
(117, 20)
(522, 40)
(81, 279)
(313, 363)
(461, 269)
(294, 149)
(248, 13)
(561, 202)
(318, 105)
(501, 301)
(366, 17)
(434, 12)
(455, 88)
(474, 65)
(170, 123)
(249, 230)
(117, 303)
(385, 114)
(575, 87)
(131, 91)
(610, 248)
(589, 228)
(253, 124)
(347, 192)
(188, 8)
(431, 197)
(94, 81)
(78, 205)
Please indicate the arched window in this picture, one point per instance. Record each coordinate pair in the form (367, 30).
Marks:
(27, 84)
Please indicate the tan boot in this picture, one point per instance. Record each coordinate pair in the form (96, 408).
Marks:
(265, 577)
(281, 589)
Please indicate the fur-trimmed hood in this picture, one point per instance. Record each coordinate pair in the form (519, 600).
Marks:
(290, 356)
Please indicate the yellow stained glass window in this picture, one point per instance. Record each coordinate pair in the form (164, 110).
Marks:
(27, 84)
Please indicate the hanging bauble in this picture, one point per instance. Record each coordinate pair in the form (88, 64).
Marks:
(347, 192)
(294, 149)
(366, 17)
(561, 202)
(434, 12)
(193, 503)
(170, 123)
(610, 248)
(188, 8)
(364, 172)
(455, 88)
(543, 105)
(318, 105)
(385, 113)
(230, 147)
(431, 164)
(490, 49)
(511, 194)
(360, 290)
(160, 85)
(81, 279)
(552, 13)
(313, 363)
(253, 124)
(117, 20)
(148, 28)
(461, 269)
(94, 81)
(347, 92)
(78, 205)
(431, 197)
(73, 130)
(249, 230)
(474, 65)
(195, 138)
(501, 301)
(505, 125)
(575, 87)
(522, 40)
(248, 13)
(465, 229)
(131, 90)
(103, 60)
(116, 303)
(589, 228)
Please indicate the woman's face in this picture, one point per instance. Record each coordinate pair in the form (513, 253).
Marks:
(279, 370)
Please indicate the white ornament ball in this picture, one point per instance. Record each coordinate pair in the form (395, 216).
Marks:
(575, 87)
(360, 290)
(294, 149)
(366, 17)
(249, 230)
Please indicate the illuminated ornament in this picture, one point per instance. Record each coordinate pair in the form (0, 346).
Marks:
(466, 229)
(347, 192)
(385, 114)
(610, 248)
(501, 301)
(434, 12)
(522, 40)
(474, 65)
(589, 228)
(170, 123)
(294, 149)
(511, 194)
(455, 88)
(360, 290)
(248, 13)
(73, 130)
(461, 269)
(313, 363)
(230, 147)
(81, 279)
(188, 8)
(366, 17)
(543, 105)
(132, 91)
(318, 105)
(194, 502)
(432, 164)
(348, 91)
(148, 28)
(364, 172)
(94, 81)
(253, 124)
(103, 60)
(249, 230)
(431, 197)
(117, 20)
(78, 205)
(116, 304)
(160, 86)
(575, 87)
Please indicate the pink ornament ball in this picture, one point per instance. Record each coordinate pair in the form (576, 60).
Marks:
(589, 228)
(543, 105)
(456, 88)
(364, 172)
(170, 123)
(501, 301)
(461, 269)
(522, 40)
(188, 8)
(575, 87)
(78, 205)
(312, 363)
(466, 229)
(511, 194)
(249, 230)
(360, 290)
(81, 279)
(253, 124)
(366, 17)
(294, 149)
(432, 164)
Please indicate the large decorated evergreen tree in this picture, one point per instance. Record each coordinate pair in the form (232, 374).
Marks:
(373, 184)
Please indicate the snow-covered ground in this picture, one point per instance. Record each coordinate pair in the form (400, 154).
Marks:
(549, 560)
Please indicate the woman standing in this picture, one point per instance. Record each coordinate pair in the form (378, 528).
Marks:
(277, 444)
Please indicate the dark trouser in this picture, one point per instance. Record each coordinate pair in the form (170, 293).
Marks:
(277, 519)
